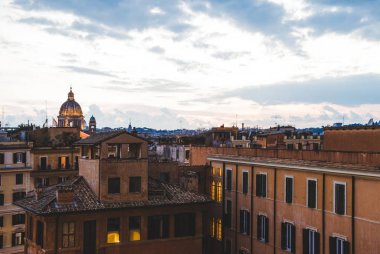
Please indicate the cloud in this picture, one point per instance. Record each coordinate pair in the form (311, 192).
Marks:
(349, 91)
(84, 70)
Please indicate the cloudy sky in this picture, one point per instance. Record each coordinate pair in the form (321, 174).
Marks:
(192, 64)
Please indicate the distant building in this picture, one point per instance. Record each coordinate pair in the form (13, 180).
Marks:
(352, 138)
(221, 136)
(303, 141)
(92, 125)
(15, 169)
(70, 113)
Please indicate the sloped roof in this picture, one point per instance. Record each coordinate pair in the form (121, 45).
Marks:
(99, 137)
(85, 200)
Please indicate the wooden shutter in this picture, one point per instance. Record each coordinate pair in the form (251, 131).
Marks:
(259, 236)
(266, 229)
(346, 247)
(311, 198)
(248, 221)
(245, 182)
(24, 157)
(264, 185)
(229, 179)
(305, 240)
(14, 158)
(241, 221)
(13, 239)
(317, 242)
(283, 236)
(165, 226)
(293, 232)
(258, 185)
(1, 199)
(289, 190)
(67, 162)
(332, 245)
(339, 198)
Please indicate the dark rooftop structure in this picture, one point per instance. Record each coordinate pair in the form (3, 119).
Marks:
(84, 199)
(99, 137)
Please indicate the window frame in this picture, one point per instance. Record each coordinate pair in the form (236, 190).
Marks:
(69, 234)
(266, 185)
(285, 189)
(134, 184)
(111, 191)
(130, 229)
(228, 183)
(316, 192)
(18, 180)
(345, 197)
(242, 180)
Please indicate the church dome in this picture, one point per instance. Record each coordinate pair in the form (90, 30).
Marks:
(70, 107)
(92, 119)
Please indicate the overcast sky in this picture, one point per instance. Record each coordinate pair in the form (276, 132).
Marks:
(191, 64)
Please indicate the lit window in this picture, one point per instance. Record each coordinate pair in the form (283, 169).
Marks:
(213, 190)
(219, 230)
(135, 228)
(68, 234)
(219, 192)
(113, 230)
(212, 227)
(219, 171)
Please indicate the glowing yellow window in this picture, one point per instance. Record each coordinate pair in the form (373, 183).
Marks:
(113, 230)
(212, 227)
(219, 192)
(219, 230)
(213, 190)
(220, 171)
(213, 171)
(134, 228)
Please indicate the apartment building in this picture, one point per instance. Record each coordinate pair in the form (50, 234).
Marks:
(113, 206)
(272, 205)
(15, 168)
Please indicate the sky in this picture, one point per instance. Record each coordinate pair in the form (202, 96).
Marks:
(191, 64)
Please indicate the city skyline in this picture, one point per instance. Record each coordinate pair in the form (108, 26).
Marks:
(191, 64)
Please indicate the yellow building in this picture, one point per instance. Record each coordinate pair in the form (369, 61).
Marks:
(15, 167)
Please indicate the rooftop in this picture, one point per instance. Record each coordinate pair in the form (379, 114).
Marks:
(85, 200)
(99, 137)
(343, 168)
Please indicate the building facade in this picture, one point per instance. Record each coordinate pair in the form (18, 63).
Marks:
(269, 205)
(113, 206)
(15, 169)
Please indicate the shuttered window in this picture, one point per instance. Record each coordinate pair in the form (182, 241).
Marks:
(261, 185)
(288, 237)
(228, 179)
(158, 227)
(228, 216)
(1, 199)
(289, 190)
(312, 193)
(18, 239)
(40, 234)
(1, 158)
(262, 228)
(245, 222)
(19, 178)
(311, 241)
(113, 185)
(338, 245)
(245, 182)
(340, 198)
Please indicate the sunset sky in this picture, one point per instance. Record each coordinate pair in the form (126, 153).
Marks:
(192, 64)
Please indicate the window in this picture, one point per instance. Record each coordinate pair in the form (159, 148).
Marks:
(261, 185)
(1, 199)
(311, 240)
(19, 158)
(158, 227)
(219, 192)
(184, 224)
(18, 219)
(68, 235)
(43, 163)
(18, 239)
(216, 171)
(1, 241)
(228, 247)
(340, 198)
(76, 162)
(212, 227)
(165, 177)
(134, 228)
(289, 190)
(288, 237)
(113, 230)
(262, 228)
(63, 162)
(135, 184)
(113, 185)
(245, 222)
(245, 182)
(219, 230)
(18, 195)
(228, 213)
(228, 179)
(338, 245)
(1, 221)
(212, 191)
(40, 234)
(1, 158)
(43, 182)
(312, 193)
(19, 178)
(62, 179)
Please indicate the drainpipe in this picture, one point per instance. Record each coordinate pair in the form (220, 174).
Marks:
(223, 204)
(274, 210)
(252, 178)
(353, 215)
(323, 212)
